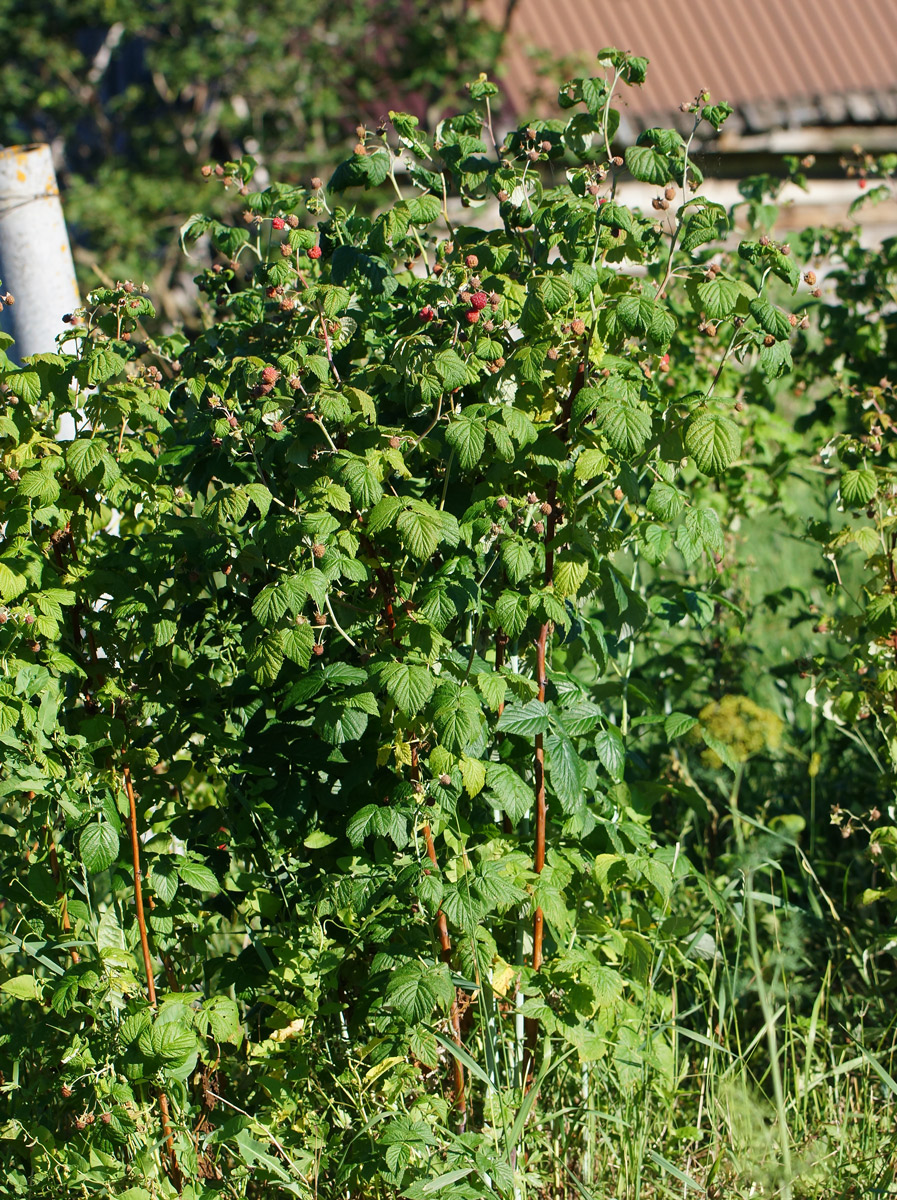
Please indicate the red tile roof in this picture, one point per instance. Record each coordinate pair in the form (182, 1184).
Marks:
(777, 61)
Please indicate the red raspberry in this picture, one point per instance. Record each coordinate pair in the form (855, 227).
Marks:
(314, 252)
(317, 648)
(278, 223)
(472, 316)
(479, 300)
(471, 261)
(427, 313)
(270, 374)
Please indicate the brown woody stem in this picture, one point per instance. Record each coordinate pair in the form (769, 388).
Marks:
(541, 813)
(165, 1119)
(445, 943)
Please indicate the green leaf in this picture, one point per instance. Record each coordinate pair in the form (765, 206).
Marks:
(648, 165)
(98, 846)
(456, 717)
(420, 529)
(770, 318)
(664, 501)
(451, 369)
(410, 687)
(570, 573)
(197, 875)
(270, 604)
(512, 612)
(858, 487)
(636, 312)
(627, 427)
(678, 724)
(516, 559)
(296, 643)
(526, 720)
(267, 659)
(467, 436)
(82, 456)
(714, 442)
(719, 297)
(415, 990)
(566, 771)
(611, 751)
(703, 526)
(512, 794)
(555, 292)
(361, 480)
(22, 987)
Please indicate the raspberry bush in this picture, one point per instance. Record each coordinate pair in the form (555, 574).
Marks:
(345, 689)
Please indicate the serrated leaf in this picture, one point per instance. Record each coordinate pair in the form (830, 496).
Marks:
(713, 441)
(648, 165)
(525, 720)
(590, 464)
(493, 688)
(414, 991)
(513, 795)
(410, 687)
(703, 526)
(719, 297)
(420, 531)
(270, 604)
(296, 643)
(555, 291)
(664, 501)
(512, 612)
(361, 480)
(473, 773)
(98, 846)
(516, 559)
(197, 875)
(267, 659)
(858, 487)
(467, 437)
(566, 770)
(677, 724)
(82, 456)
(570, 573)
(611, 751)
(626, 426)
(770, 318)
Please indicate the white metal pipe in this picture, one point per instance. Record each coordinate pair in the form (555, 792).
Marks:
(36, 264)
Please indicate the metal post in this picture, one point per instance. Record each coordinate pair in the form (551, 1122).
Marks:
(36, 264)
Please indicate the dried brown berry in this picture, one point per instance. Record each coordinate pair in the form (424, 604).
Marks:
(539, 526)
(471, 261)
(670, 192)
(502, 502)
(495, 529)
(499, 362)
(445, 781)
(769, 340)
(318, 550)
(552, 353)
(810, 278)
(618, 494)
(578, 327)
(319, 619)
(317, 649)
(532, 498)
(545, 508)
